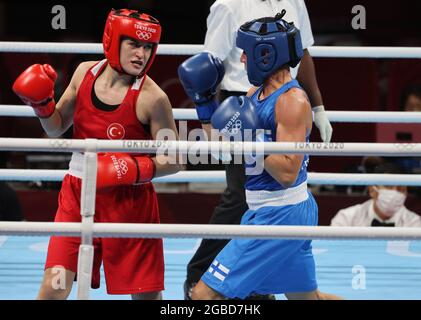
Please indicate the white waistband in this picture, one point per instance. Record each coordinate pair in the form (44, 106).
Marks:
(76, 165)
(257, 199)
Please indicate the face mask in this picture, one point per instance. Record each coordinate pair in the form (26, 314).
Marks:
(389, 201)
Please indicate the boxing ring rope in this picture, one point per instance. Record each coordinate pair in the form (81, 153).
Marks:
(334, 116)
(190, 49)
(192, 147)
(148, 230)
(316, 178)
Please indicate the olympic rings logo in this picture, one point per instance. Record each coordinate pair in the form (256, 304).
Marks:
(405, 146)
(142, 35)
(60, 143)
(123, 166)
(236, 127)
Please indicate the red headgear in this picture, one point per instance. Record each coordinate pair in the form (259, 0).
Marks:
(133, 24)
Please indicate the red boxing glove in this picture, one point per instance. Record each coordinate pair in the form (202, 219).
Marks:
(122, 169)
(35, 86)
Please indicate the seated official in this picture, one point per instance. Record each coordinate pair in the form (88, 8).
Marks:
(386, 208)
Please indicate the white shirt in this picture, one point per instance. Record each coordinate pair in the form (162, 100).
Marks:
(361, 215)
(226, 17)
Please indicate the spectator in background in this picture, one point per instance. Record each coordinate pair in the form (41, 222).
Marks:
(411, 98)
(367, 165)
(385, 208)
(370, 163)
(411, 101)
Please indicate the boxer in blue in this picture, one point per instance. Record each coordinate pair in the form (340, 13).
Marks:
(277, 194)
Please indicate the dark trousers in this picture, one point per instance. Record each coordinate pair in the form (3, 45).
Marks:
(10, 209)
(229, 211)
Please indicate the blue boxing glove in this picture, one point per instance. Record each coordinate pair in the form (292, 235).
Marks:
(200, 76)
(234, 115)
(237, 118)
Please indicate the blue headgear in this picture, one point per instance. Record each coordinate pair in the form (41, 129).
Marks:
(269, 43)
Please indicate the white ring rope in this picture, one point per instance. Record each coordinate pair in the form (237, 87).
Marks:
(316, 178)
(190, 49)
(147, 230)
(334, 116)
(192, 147)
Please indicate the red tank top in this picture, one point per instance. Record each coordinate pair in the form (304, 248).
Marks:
(121, 123)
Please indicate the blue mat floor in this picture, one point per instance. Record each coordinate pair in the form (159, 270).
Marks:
(352, 269)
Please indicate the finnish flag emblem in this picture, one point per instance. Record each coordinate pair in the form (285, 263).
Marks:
(218, 270)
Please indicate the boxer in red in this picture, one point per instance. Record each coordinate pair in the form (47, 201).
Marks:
(109, 99)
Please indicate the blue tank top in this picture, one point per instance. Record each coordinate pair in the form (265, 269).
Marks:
(266, 111)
